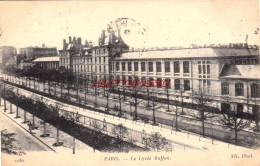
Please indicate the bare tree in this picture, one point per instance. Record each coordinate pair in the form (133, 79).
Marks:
(233, 122)
(202, 99)
(154, 103)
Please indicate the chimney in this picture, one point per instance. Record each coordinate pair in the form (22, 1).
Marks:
(90, 44)
(86, 43)
(79, 40)
(69, 39)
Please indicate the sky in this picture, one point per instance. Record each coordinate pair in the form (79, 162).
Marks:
(166, 23)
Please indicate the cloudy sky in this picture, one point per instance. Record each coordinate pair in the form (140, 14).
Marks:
(166, 23)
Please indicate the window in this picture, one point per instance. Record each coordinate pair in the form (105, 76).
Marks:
(159, 82)
(167, 83)
(136, 66)
(208, 69)
(254, 90)
(143, 66)
(176, 67)
(123, 66)
(239, 88)
(239, 108)
(199, 69)
(129, 66)
(158, 67)
(117, 66)
(143, 81)
(100, 69)
(204, 69)
(224, 88)
(186, 85)
(99, 59)
(104, 69)
(150, 65)
(186, 67)
(104, 59)
(167, 67)
(177, 84)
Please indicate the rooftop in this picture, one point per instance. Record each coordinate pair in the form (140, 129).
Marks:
(189, 53)
(47, 59)
(243, 72)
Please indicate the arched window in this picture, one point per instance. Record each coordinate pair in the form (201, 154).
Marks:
(239, 88)
(254, 90)
(224, 88)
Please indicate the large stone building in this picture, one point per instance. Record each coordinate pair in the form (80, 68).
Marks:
(8, 56)
(223, 73)
(228, 74)
(85, 60)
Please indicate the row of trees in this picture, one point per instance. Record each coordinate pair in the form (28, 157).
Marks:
(154, 103)
(51, 114)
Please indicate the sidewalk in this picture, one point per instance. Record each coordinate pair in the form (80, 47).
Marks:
(193, 141)
(80, 147)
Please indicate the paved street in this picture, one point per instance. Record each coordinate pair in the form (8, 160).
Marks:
(24, 140)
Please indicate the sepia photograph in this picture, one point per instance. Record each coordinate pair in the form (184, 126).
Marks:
(167, 82)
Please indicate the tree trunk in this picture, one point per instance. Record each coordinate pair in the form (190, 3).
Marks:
(74, 147)
(60, 89)
(58, 136)
(11, 110)
(176, 119)
(68, 90)
(44, 128)
(24, 117)
(33, 123)
(55, 88)
(34, 83)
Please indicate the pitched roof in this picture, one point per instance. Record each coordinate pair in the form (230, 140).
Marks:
(47, 59)
(189, 53)
(242, 72)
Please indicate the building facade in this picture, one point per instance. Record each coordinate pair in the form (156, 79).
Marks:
(192, 71)
(8, 55)
(218, 72)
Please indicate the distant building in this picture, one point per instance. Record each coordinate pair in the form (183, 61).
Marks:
(7, 56)
(47, 62)
(28, 54)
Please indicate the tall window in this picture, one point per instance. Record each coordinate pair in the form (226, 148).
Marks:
(104, 69)
(167, 67)
(224, 88)
(117, 66)
(129, 66)
(186, 67)
(208, 69)
(176, 67)
(199, 69)
(150, 65)
(158, 67)
(136, 66)
(123, 66)
(239, 88)
(255, 90)
(143, 66)
(167, 83)
(177, 84)
(186, 85)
